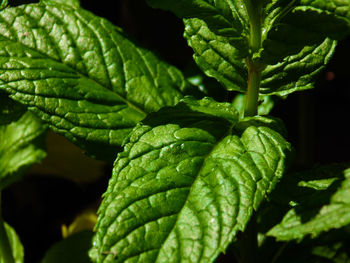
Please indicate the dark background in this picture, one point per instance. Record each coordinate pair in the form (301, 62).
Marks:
(317, 122)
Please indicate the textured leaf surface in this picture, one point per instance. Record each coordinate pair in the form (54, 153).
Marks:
(14, 243)
(81, 74)
(297, 72)
(291, 25)
(21, 145)
(185, 184)
(294, 40)
(225, 18)
(218, 59)
(321, 203)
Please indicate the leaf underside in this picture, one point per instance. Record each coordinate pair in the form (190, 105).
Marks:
(14, 242)
(298, 39)
(81, 74)
(185, 185)
(21, 145)
(321, 204)
(218, 59)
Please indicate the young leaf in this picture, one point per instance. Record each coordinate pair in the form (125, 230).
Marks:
(293, 45)
(21, 145)
(185, 184)
(323, 204)
(225, 18)
(291, 25)
(218, 59)
(13, 244)
(81, 74)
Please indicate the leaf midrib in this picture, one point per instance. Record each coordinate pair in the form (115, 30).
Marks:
(80, 74)
(229, 130)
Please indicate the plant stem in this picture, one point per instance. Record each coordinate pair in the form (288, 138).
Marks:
(252, 96)
(254, 9)
(5, 248)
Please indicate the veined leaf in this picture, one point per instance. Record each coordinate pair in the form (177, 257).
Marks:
(291, 25)
(218, 59)
(215, 55)
(186, 182)
(322, 204)
(21, 145)
(74, 3)
(225, 18)
(81, 74)
(295, 47)
(12, 241)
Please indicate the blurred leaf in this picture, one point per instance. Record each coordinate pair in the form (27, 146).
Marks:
(73, 249)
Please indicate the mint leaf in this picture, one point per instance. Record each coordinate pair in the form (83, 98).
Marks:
(225, 18)
(322, 203)
(185, 184)
(73, 249)
(215, 55)
(21, 145)
(218, 59)
(74, 3)
(295, 47)
(13, 244)
(297, 72)
(291, 25)
(81, 74)
(9, 110)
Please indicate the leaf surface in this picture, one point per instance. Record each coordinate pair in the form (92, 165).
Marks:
(185, 184)
(81, 74)
(12, 241)
(21, 145)
(292, 25)
(219, 59)
(320, 204)
(297, 40)
(225, 18)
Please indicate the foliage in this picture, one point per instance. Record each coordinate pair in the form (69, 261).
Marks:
(192, 177)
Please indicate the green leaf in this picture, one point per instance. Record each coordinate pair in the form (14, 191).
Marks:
(291, 25)
(73, 3)
(81, 74)
(266, 104)
(218, 59)
(73, 249)
(297, 72)
(9, 109)
(21, 145)
(225, 18)
(3, 4)
(185, 184)
(321, 203)
(215, 55)
(12, 241)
